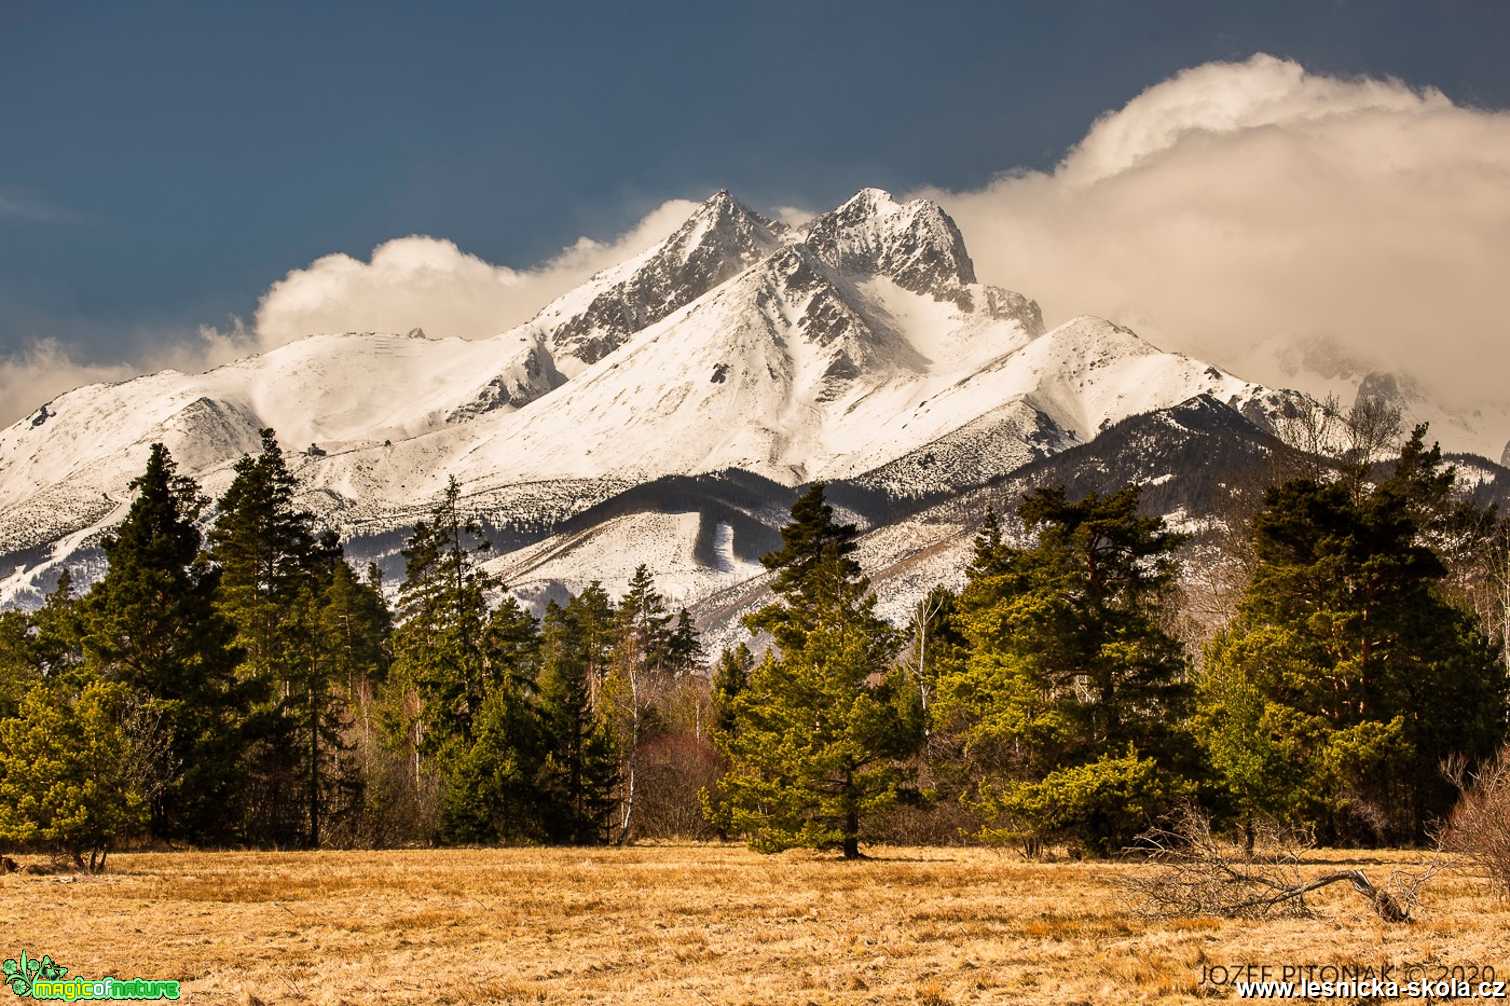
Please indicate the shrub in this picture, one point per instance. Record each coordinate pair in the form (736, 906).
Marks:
(1479, 827)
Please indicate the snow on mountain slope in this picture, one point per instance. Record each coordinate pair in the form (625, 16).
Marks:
(858, 347)
(914, 243)
(1195, 461)
(716, 243)
(610, 551)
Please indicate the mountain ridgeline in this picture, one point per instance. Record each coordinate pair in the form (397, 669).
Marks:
(667, 411)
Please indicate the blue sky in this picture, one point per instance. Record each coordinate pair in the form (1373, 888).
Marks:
(163, 164)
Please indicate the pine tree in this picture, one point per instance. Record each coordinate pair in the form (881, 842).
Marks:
(19, 672)
(987, 551)
(811, 538)
(822, 727)
(72, 776)
(351, 629)
(1071, 683)
(493, 792)
(42, 647)
(731, 675)
(152, 624)
(1347, 677)
(268, 553)
(473, 671)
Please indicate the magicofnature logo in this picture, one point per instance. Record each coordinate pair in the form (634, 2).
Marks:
(45, 978)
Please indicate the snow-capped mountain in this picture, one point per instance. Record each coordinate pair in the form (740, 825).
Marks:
(859, 349)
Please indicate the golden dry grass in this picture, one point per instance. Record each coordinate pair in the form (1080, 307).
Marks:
(693, 924)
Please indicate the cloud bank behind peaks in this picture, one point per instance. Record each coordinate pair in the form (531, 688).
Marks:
(409, 282)
(1245, 211)
(430, 283)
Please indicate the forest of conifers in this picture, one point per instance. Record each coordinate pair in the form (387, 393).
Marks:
(231, 680)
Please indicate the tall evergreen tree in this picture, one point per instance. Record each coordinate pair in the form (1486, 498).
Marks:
(350, 632)
(275, 566)
(152, 624)
(684, 648)
(1347, 677)
(1069, 698)
(731, 675)
(443, 615)
(581, 771)
(812, 538)
(493, 790)
(822, 727)
(473, 670)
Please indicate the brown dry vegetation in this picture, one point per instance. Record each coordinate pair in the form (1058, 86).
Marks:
(694, 924)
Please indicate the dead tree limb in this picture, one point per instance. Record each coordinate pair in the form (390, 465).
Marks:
(1201, 873)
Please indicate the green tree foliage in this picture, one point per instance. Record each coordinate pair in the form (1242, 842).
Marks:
(74, 779)
(821, 728)
(1347, 677)
(275, 568)
(152, 624)
(43, 646)
(580, 775)
(440, 644)
(731, 675)
(492, 786)
(684, 648)
(1072, 693)
(473, 671)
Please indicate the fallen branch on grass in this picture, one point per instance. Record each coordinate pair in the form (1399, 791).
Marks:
(1204, 874)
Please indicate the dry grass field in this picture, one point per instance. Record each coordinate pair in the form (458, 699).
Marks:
(688, 924)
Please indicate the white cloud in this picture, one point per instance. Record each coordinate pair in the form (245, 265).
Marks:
(793, 216)
(430, 283)
(1241, 211)
(44, 370)
(410, 282)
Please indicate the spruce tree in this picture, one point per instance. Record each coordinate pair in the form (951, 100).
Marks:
(684, 648)
(152, 624)
(581, 770)
(493, 791)
(473, 670)
(351, 631)
(821, 728)
(275, 566)
(731, 675)
(443, 614)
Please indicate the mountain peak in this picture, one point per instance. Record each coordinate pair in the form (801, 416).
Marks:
(915, 243)
(870, 198)
(720, 239)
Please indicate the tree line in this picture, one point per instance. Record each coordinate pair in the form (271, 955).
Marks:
(244, 685)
